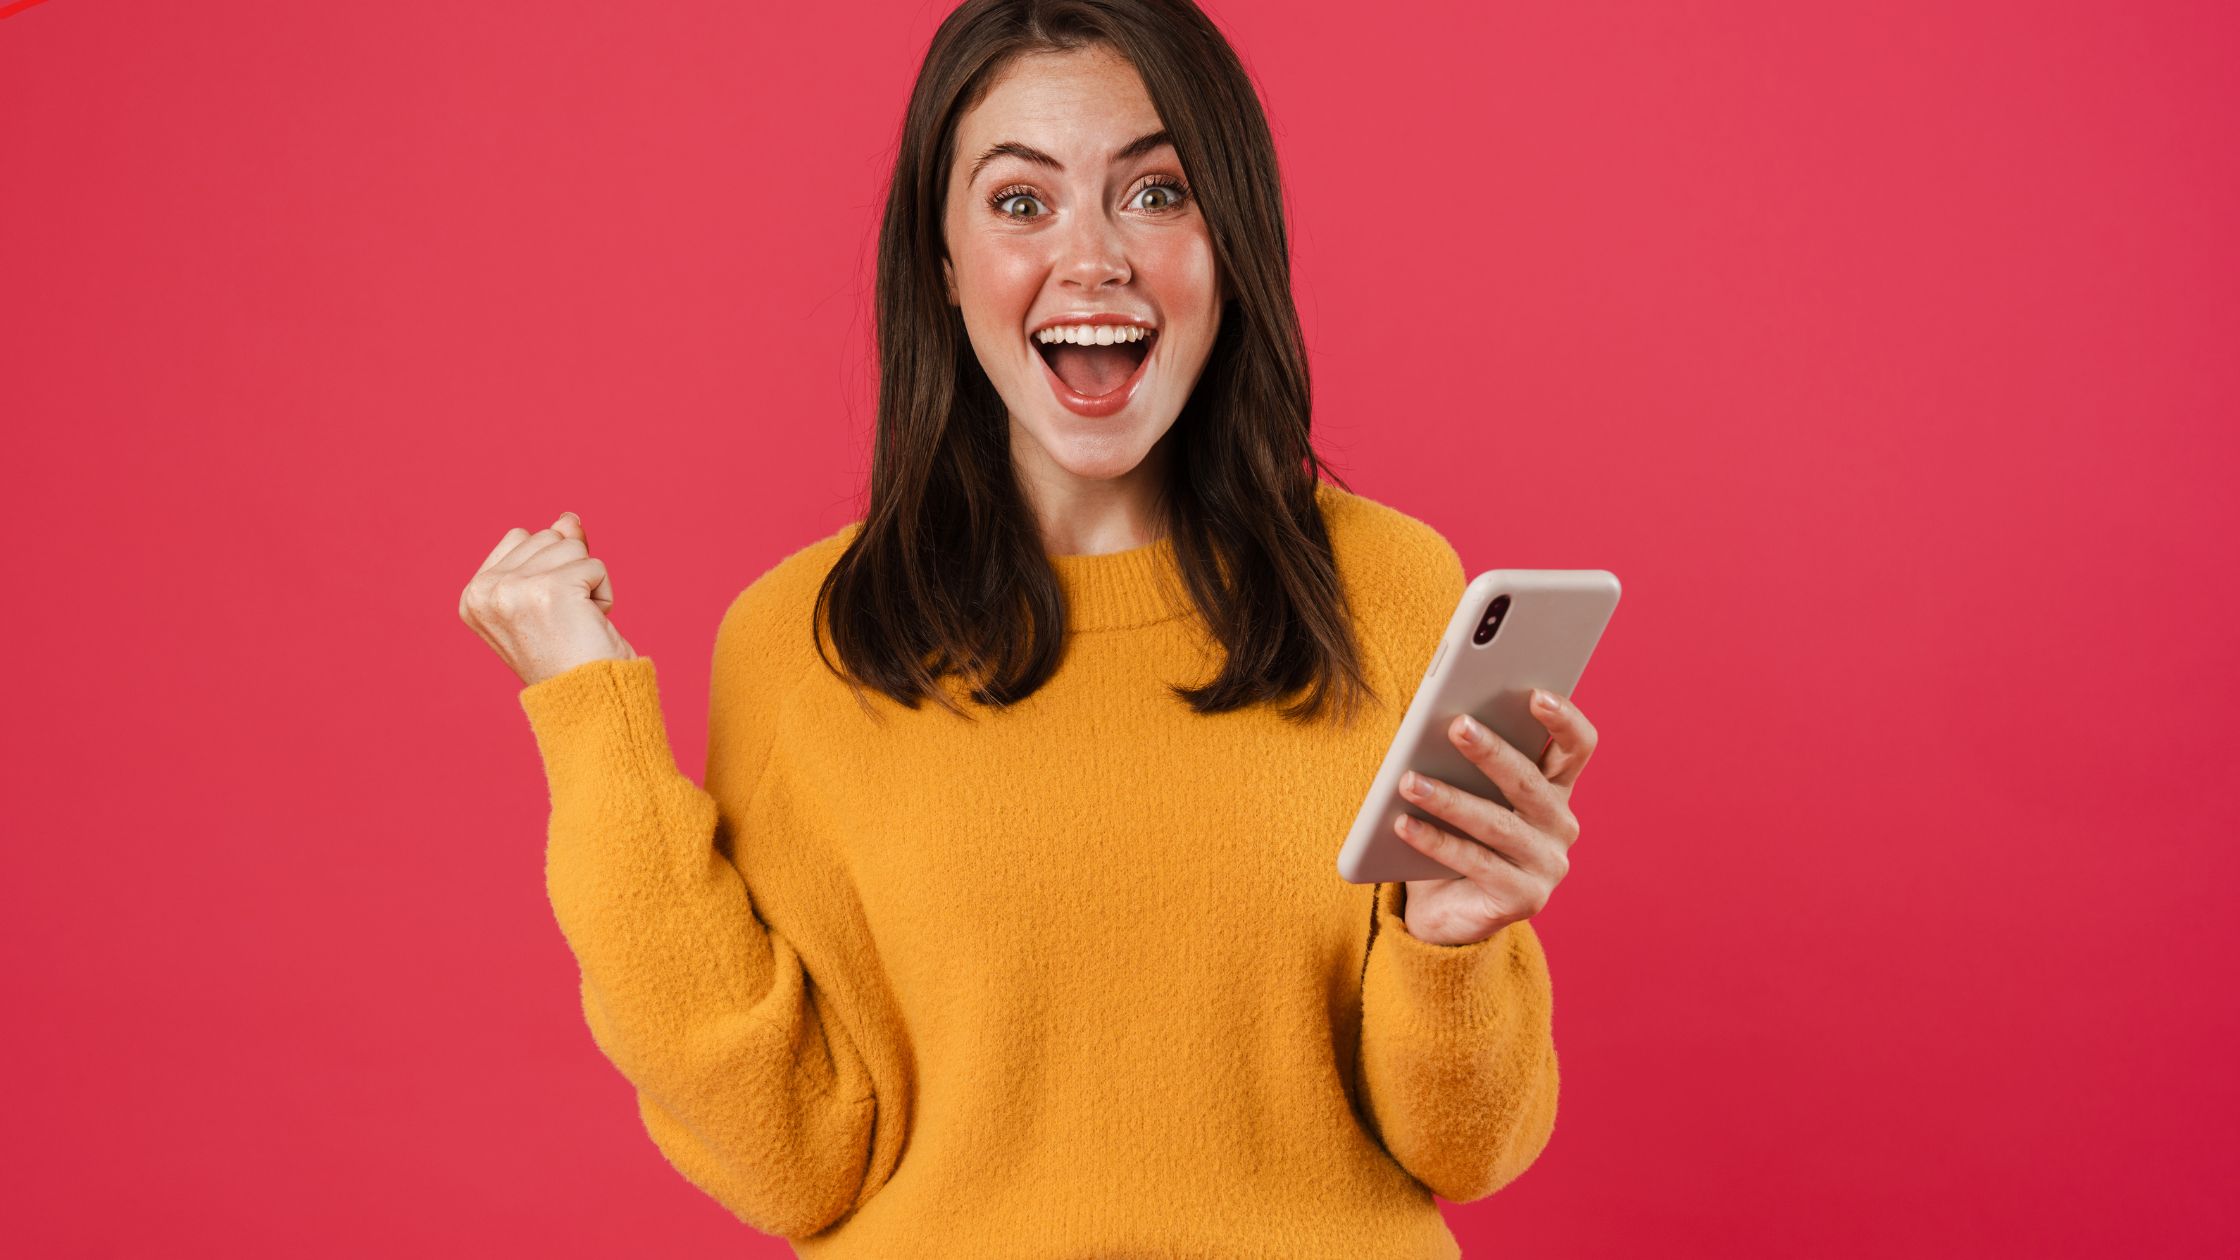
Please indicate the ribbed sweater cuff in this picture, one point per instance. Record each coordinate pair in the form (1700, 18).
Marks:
(1453, 988)
(598, 719)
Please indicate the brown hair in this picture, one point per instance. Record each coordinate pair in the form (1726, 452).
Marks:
(948, 571)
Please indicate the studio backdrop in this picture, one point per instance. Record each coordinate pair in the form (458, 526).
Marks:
(1885, 352)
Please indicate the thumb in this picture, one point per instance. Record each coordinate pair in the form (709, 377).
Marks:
(571, 526)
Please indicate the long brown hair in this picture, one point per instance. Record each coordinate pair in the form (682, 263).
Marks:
(948, 573)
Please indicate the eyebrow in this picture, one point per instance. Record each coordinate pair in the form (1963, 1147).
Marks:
(1133, 149)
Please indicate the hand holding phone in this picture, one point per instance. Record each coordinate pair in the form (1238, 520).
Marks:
(1513, 631)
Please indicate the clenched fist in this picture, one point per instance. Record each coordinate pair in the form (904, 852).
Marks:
(540, 601)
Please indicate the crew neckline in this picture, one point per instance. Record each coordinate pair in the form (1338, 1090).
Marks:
(1119, 590)
(1141, 586)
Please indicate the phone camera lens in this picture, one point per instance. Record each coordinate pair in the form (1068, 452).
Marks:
(1490, 624)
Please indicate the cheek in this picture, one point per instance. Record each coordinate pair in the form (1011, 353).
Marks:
(996, 295)
(1181, 270)
(996, 280)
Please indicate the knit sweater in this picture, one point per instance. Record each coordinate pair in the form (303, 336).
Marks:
(1077, 978)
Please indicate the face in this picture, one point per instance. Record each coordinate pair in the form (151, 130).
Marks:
(1095, 226)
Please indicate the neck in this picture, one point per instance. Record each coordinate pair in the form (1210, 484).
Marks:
(1091, 516)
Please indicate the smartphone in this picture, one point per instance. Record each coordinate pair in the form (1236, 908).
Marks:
(1514, 630)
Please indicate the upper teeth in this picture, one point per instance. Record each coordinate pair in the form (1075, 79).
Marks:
(1092, 334)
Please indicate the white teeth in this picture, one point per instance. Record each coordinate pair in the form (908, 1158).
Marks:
(1092, 334)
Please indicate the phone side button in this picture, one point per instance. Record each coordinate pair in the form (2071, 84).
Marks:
(1433, 667)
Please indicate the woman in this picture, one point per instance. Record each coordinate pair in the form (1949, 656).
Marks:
(1058, 965)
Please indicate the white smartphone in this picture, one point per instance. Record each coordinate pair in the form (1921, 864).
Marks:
(1514, 630)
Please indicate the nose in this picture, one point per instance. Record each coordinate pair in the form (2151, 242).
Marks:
(1093, 254)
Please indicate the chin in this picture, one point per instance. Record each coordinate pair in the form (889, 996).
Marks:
(1093, 456)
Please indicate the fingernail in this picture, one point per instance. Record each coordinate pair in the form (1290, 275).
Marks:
(1544, 700)
(1471, 731)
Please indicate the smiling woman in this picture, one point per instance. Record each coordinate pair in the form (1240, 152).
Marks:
(1068, 170)
(1074, 255)
(1060, 967)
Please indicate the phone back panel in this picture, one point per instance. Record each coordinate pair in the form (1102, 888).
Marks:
(1554, 619)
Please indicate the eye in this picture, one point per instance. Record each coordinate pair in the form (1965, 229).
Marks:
(1004, 197)
(1164, 194)
(1170, 192)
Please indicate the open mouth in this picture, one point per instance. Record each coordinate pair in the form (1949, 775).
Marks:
(1094, 373)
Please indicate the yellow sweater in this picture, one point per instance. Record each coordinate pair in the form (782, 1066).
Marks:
(1077, 979)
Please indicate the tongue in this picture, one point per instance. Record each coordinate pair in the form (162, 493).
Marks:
(1094, 370)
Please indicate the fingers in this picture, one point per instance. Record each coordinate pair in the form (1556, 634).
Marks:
(1572, 739)
(1501, 882)
(590, 572)
(1473, 862)
(1500, 831)
(528, 554)
(1509, 856)
(570, 527)
(1517, 775)
(524, 549)
(508, 543)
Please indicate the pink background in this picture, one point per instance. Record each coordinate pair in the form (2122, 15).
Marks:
(1885, 352)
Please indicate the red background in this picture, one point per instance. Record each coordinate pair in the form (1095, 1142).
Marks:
(1885, 352)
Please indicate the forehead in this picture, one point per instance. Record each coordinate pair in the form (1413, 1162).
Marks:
(1083, 102)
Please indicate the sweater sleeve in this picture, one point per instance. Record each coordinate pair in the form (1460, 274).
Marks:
(742, 1082)
(1458, 1059)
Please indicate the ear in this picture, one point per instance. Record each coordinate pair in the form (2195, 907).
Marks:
(949, 280)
